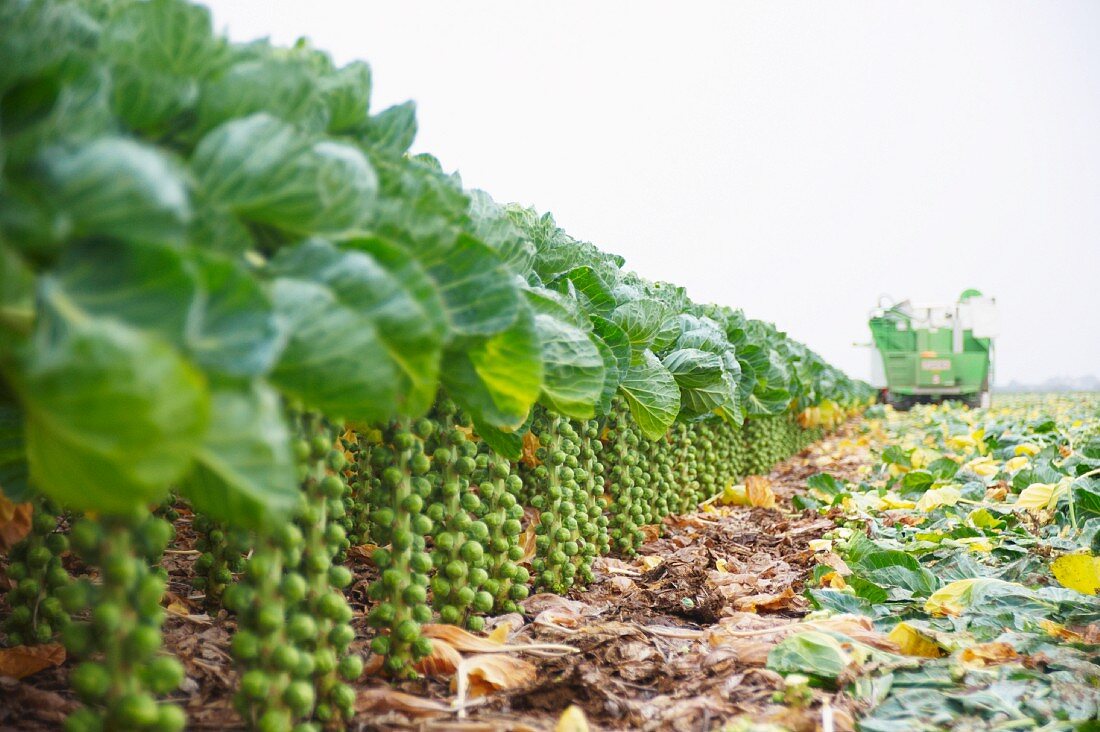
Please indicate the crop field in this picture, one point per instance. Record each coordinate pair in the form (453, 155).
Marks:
(299, 433)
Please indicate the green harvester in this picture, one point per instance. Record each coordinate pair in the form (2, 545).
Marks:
(932, 353)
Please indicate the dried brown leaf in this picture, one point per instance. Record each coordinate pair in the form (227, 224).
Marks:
(487, 673)
(442, 661)
(759, 491)
(386, 699)
(767, 601)
(459, 639)
(15, 522)
(22, 661)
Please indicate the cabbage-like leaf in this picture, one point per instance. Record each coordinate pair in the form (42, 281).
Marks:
(382, 283)
(640, 319)
(14, 473)
(393, 130)
(117, 187)
(497, 379)
(334, 360)
(206, 305)
(652, 394)
(159, 50)
(233, 330)
(492, 225)
(114, 415)
(480, 295)
(244, 472)
(700, 376)
(266, 171)
(347, 97)
(284, 87)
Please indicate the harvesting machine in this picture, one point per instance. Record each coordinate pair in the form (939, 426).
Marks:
(931, 353)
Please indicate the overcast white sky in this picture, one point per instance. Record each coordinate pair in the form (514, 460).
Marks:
(796, 160)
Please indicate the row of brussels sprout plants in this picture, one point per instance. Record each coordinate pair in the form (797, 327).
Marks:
(226, 285)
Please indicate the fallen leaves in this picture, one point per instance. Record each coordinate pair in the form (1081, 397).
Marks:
(912, 642)
(572, 720)
(15, 522)
(1080, 572)
(988, 654)
(487, 673)
(22, 661)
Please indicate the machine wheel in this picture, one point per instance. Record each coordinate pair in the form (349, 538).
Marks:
(900, 402)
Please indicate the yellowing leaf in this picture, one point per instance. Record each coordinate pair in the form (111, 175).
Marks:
(649, 562)
(913, 643)
(976, 543)
(893, 500)
(759, 492)
(1080, 572)
(572, 720)
(499, 634)
(988, 654)
(960, 443)
(934, 498)
(1027, 448)
(921, 457)
(982, 466)
(833, 580)
(1017, 463)
(1041, 496)
(821, 545)
(954, 598)
(734, 495)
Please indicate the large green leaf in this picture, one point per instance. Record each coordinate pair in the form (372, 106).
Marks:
(586, 285)
(393, 130)
(347, 97)
(114, 415)
(244, 473)
(480, 295)
(701, 378)
(117, 187)
(809, 652)
(394, 293)
(334, 360)
(16, 298)
(14, 473)
(492, 226)
(147, 287)
(266, 171)
(168, 36)
(652, 394)
(209, 306)
(640, 319)
(497, 379)
(233, 331)
(282, 86)
(573, 367)
(616, 339)
(159, 50)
